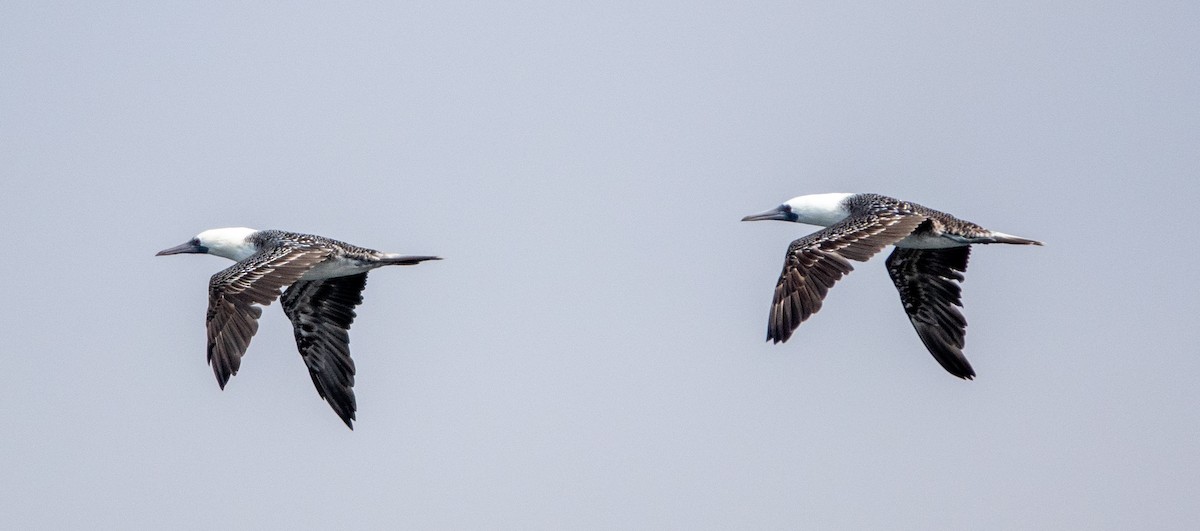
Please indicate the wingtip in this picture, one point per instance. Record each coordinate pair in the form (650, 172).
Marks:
(778, 336)
(349, 420)
(966, 373)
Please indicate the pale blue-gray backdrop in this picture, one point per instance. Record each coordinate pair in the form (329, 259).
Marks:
(590, 353)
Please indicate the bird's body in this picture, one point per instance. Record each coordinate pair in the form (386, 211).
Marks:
(324, 279)
(931, 254)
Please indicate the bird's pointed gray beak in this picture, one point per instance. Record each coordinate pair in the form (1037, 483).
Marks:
(779, 213)
(189, 247)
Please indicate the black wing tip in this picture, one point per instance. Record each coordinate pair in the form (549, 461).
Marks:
(948, 354)
(344, 407)
(956, 366)
(969, 374)
(778, 336)
(347, 414)
(222, 377)
(344, 411)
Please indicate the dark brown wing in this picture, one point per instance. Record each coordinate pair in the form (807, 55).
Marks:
(321, 312)
(927, 280)
(815, 262)
(232, 293)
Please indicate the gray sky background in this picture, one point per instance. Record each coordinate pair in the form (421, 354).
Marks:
(590, 353)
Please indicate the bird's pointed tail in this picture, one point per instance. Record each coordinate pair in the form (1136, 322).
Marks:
(397, 259)
(1000, 237)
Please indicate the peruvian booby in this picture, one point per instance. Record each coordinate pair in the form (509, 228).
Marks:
(928, 262)
(324, 280)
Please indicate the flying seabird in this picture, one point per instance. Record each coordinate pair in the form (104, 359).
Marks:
(324, 280)
(929, 260)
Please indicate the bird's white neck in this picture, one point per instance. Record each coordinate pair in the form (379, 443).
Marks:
(232, 243)
(819, 209)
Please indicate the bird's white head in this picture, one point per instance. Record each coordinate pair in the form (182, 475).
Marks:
(232, 243)
(813, 209)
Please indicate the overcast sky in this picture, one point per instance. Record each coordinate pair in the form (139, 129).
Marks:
(590, 353)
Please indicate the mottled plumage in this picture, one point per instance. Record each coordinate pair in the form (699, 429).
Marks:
(324, 279)
(931, 250)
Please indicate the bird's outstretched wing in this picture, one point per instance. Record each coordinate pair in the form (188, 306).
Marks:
(817, 261)
(927, 280)
(233, 292)
(321, 312)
